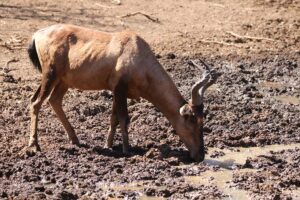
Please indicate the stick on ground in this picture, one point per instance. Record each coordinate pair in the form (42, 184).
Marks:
(6, 46)
(12, 61)
(140, 13)
(247, 37)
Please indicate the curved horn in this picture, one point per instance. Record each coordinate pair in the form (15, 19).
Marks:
(209, 77)
(196, 98)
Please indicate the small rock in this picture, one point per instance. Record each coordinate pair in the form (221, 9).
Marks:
(119, 170)
(64, 195)
(173, 161)
(149, 144)
(150, 191)
(4, 195)
(165, 193)
(217, 154)
(171, 56)
(39, 196)
(248, 164)
(9, 79)
(39, 188)
(49, 192)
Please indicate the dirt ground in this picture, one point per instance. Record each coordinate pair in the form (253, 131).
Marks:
(255, 103)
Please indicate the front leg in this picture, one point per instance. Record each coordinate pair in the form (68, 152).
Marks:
(124, 128)
(113, 126)
(120, 102)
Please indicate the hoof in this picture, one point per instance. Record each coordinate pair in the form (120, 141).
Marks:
(75, 141)
(30, 151)
(107, 146)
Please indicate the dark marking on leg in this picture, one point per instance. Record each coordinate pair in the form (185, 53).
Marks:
(120, 100)
(35, 95)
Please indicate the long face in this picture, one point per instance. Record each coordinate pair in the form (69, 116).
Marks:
(191, 130)
(191, 127)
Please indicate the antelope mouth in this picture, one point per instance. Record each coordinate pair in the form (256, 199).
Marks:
(197, 156)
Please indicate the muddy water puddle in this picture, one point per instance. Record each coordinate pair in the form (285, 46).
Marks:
(270, 84)
(238, 156)
(220, 178)
(121, 187)
(287, 99)
(134, 186)
(228, 163)
(295, 193)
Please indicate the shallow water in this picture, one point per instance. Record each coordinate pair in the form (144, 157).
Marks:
(222, 178)
(288, 99)
(269, 84)
(282, 98)
(239, 155)
(135, 186)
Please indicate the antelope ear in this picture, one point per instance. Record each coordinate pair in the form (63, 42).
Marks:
(185, 110)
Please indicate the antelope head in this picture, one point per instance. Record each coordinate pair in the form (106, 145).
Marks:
(191, 131)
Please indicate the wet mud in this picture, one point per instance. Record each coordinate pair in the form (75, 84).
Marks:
(252, 123)
(242, 111)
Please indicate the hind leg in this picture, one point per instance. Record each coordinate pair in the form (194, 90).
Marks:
(55, 101)
(44, 90)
